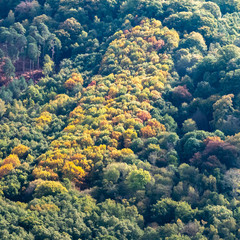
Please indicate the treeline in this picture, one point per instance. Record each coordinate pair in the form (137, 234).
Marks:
(64, 29)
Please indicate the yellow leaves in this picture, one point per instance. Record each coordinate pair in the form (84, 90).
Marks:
(131, 123)
(86, 140)
(95, 153)
(75, 167)
(130, 133)
(159, 86)
(128, 136)
(155, 95)
(114, 108)
(54, 163)
(44, 207)
(156, 23)
(8, 164)
(44, 173)
(62, 144)
(70, 128)
(77, 77)
(20, 150)
(113, 112)
(67, 144)
(60, 101)
(113, 143)
(73, 172)
(56, 143)
(125, 62)
(165, 67)
(12, 159)
(145, 105)
(70, 84)
(119, 119)
(77, 112)
(80, 160)
(136, 28)
(115, 154)
(126, 151)
(73, 81)
(44, 119)
(172, 38)
(97, 100)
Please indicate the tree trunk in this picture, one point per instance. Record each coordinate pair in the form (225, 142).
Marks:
(23, 67)
(39, 54)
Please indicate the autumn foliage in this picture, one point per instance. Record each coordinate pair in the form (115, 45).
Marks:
(8, 164)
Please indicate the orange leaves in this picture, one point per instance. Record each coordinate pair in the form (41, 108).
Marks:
(158, 44)
(5, 169)
(70, 84)
(20, 150)
(148, 131)
(9, 164)
(116, 135)
(144, 115)
(152, 129)
(213, 139)
(73, 81)
(157, 126)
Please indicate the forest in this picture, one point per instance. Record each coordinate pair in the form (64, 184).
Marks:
(119, 120)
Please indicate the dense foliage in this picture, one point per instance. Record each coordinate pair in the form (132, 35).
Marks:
(120, 119)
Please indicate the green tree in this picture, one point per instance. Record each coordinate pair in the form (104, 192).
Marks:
(189, 125)
(48, 65)
(138, 179)
(8, 68)
(33, 54)
(46, 188)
